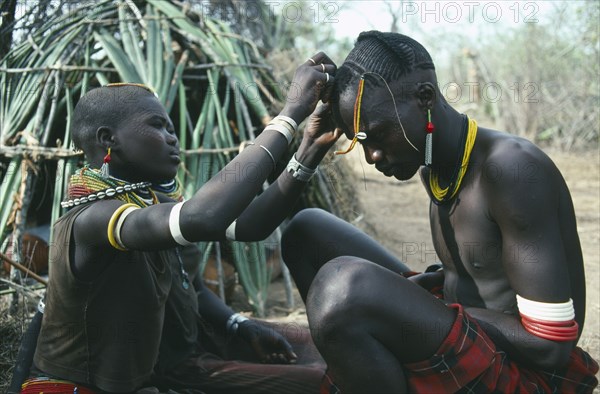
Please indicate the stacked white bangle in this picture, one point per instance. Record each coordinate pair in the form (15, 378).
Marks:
(546, 311)
(300, 171)
(174, 225)
(233, 323)
(285, 131)
(284, 125)
(288, 120)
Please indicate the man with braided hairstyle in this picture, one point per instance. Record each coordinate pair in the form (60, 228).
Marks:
(512, 305)
(124, 298)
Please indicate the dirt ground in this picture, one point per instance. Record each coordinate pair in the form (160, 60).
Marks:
(396, 214)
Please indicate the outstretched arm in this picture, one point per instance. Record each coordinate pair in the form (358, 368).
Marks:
(222, 199)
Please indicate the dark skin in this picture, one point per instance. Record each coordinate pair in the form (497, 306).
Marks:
(145, 148)
(510, 230)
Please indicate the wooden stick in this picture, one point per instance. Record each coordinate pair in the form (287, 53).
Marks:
(189, 152)
(46, 152)
(55, 68)
(23, 269)
(108, 69)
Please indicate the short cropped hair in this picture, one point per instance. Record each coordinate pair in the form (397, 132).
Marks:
(104, 106)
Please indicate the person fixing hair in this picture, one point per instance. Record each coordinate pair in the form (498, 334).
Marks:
(124, 301)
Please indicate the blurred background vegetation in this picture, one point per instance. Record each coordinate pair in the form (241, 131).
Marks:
(222, 69)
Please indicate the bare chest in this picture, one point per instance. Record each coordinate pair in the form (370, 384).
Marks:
(469, 244)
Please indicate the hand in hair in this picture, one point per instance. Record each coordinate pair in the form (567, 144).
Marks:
(312, 82)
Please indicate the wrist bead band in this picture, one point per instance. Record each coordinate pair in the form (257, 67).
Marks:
(233, 323)
(300, 171)
(174, 226)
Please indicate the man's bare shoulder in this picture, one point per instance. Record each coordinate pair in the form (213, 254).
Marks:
(510, 161)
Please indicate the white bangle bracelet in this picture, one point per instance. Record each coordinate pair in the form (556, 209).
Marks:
(119, 226)
(286, 132)
(288, 120)
(547, 311)
(174, 226)
(230, 232)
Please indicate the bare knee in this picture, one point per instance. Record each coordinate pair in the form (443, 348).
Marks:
(301, 233)
(302, 225)
(338, 298)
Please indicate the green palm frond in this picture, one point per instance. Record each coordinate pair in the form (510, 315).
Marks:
(212, 81)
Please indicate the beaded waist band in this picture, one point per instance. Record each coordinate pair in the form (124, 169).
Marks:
(46, 385)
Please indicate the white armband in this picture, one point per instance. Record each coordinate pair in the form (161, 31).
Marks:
(174, 225)
(283, 130)
(554, 321)
(548, 311)
(230, 232)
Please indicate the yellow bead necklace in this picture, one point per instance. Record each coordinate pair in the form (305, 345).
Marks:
(441, 195)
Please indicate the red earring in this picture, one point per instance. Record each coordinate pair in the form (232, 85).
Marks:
(104, 169)
(429, 139)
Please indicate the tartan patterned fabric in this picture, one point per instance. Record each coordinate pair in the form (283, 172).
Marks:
(469, 362)
(327, 386)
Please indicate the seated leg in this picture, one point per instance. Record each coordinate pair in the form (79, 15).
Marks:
(367, 321)
(314, 237)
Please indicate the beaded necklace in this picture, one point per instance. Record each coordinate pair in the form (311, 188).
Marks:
(440, 195)
(88, 185)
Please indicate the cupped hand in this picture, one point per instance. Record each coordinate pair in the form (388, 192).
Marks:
(270, 346)
(312, 82)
